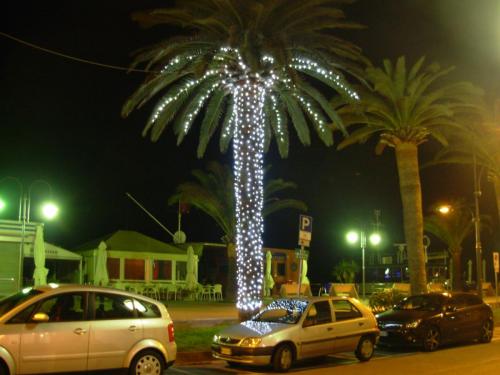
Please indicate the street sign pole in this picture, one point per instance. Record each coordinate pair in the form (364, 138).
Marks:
(496, 267)
(301, 255)
(305, 230)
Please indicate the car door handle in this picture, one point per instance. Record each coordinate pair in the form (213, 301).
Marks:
(132, 328)
(80, 331)
(329, 329)
(360, 323)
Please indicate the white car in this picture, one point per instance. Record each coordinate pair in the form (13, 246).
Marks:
(292, 329)
(83, 328)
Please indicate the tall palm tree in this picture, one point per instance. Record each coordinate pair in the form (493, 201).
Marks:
(452, 228)
(246, 64)
(478, 140)
(212, 192)
(404, 109)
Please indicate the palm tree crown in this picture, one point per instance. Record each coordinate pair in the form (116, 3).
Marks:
(478, 140)
(245, 63)
(273, 43)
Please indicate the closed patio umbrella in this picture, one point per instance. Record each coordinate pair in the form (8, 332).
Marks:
(191, 282)
(268, 278)
(101, 267)
(40, 274)
(304, 279)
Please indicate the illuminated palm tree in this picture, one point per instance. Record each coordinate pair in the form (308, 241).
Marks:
(213, 193)
(246, 66)
(404, 109)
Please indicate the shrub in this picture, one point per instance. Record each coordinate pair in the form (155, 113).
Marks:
(382, 301)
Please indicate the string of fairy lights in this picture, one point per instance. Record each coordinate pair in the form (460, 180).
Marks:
(249, 92)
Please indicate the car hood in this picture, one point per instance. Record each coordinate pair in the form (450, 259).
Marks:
(404, 316)
(251, 328)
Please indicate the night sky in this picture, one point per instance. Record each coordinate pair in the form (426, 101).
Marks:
(60, 122)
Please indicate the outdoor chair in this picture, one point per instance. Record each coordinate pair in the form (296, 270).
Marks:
(151, 291)
(206, 293)
(217, 292)
(198, 292)
(171, 289)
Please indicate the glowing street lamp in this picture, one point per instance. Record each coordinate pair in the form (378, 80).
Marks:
(444, 209)
(50, 210)
(354, 237)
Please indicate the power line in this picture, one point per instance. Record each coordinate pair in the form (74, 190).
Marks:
(69, 57)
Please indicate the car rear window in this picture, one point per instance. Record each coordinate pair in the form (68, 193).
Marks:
(146, 309)
(108, 306)
(345, 310)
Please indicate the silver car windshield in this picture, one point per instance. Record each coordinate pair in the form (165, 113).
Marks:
(286, 311)
(14, 300)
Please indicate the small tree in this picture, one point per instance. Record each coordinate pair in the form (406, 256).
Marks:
(453, 228)
(345, 271)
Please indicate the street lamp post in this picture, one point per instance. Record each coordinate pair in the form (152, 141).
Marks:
(49, 211)
(476, 218)
(477, 231)
(355, 236)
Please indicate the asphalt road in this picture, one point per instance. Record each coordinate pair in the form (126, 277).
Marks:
(468, 359)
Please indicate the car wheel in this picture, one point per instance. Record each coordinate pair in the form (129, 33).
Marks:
(147, 362)
(3, 369)
(432, 339)
(365, 349)
(486, 331)
(283, 358)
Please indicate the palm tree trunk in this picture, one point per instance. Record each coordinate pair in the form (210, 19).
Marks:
(230, 293)
(411, 197)
(496, 185)
(456, 258)
(248, 153)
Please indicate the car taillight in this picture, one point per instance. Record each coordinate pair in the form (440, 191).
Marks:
(171, 332)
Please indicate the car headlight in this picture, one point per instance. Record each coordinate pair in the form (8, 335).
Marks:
(413, 324)
(251, 341)
(216, 338)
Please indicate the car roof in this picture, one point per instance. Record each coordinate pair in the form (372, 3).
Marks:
(317, 298)
(53, 288)
(447, 294)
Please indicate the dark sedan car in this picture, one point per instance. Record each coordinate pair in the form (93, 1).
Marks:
(429, 320)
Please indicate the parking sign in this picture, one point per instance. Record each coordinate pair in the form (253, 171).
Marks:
(305, 230)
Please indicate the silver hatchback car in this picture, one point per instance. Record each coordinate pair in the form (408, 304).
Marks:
(292, 329)
(82, 328)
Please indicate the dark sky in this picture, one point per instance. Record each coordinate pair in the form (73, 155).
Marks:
(61, 122)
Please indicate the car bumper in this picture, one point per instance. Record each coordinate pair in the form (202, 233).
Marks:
(249, 356)
(402, 337)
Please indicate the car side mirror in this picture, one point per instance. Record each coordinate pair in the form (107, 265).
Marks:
(40, 317)
(309, 321)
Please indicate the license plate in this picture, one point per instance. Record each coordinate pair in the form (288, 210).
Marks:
(225, 351)
(384, 333)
